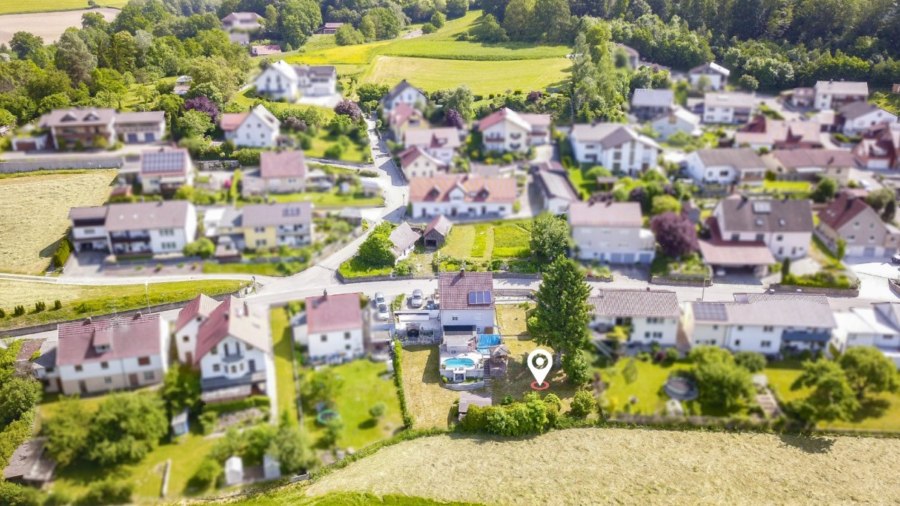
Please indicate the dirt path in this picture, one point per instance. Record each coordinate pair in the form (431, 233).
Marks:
(48, 25)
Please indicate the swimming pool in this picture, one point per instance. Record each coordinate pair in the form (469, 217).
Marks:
(453, 363)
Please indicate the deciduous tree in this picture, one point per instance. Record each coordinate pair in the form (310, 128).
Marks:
(868, 371)
(549, 237)
(831, 398)
(675, 233)
(125, 428)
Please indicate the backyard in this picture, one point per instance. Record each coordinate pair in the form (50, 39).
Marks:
(428, 403)
(29, 239)
(282, 336)
(333, 198)
(80, 301)
(489, 241)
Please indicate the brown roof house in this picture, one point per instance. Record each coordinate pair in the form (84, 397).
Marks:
(763, 132)
(556, 188)
(403, 239)
(461, 195)
(441, 143)
(437, 231)
(467, 302)
(150, 228)
(188, 323)
(165, 170)
(279, 172)
(850, 218)
(810, 164)
(333, 331)
(880, 147)
(507, 131)
(95, 356)
(834, 94)
(70, 127)
(652, 315)
(418, 162)
(234, 353)
(405, 117)
(611, 232)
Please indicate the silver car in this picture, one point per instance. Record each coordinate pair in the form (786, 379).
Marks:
(417, 299)
(379, 298)
(383, 313)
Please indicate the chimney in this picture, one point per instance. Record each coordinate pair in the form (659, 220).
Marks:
(88, 320)
(648, 288)
(324, 293)
(462, 271)
(137, 315)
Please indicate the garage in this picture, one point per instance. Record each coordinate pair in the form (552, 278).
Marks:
(646, 258)
(615, 258)
(869, 252)
(628, 258)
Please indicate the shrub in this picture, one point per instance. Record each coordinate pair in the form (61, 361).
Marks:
(583, 404)
(18, 495)
(57, 304)
(61, 255)
(398, 381)
(378, 410)
(334, 152)
(507, 400)
(208, 421)
(257, 401)
(206, 474)
(671, 355)
(39, 306)
(203, 248)
(2, 313)
(108, 491)
(428, 28)
(752, 361)
(19, 311)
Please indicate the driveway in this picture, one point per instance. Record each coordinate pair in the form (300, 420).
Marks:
(329, 101)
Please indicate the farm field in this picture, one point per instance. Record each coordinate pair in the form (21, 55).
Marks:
(638, 466)
(484, 241)
(34, 211)
(80, 301)
(47, 25)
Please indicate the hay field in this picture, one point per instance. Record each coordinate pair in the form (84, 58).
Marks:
(483, 77)
(48, 25)
(34, 213)
(25, 6)
(631, 466)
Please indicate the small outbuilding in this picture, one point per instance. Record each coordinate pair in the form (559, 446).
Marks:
(234, 471)
(271, 467)
(180, 425)
(467, 399)
(28, 464)
(437, 231)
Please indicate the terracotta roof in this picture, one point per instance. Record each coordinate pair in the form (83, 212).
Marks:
(238, 319)
(127, 337)
(476, 189)
(147, 215)
(843, 87)
(77, 117)
(277, 213)
(642, 303)
(401, 113)
(410, 155)
(605, 214)
(739, 158)
(841, 210)
(441, 225)
(165, 161)
(230, 121)
(201, 305)
(403, 237)
(771, 131)
(328, 313)
(526, 121)
(719, 252)
(454, 289)
(797, 158)
(278, 164)
(761, 215)
(445, 137)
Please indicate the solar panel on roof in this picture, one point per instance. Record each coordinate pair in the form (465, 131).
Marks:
(479, 298)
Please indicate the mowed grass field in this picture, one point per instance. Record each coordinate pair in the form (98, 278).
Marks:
(428, 403)
(630, 466)
(34, 212)
(24, 6)
(508, 239)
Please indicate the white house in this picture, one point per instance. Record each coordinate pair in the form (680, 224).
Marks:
(509, 131)
(441, 143)
(857, 117)
(334, 327)
(88, 231)
(462, 195)
(234, 353)
(110, 354)
(611, 232)
(726, 166)
(283, 81)
(715, 74)
(248, 21)
(258, 128)
(729, 108)
(187, 325)
(467, 301)
(416, 162)
(678, 120)
(651, 315)
(762, 323)
(557, 191)
(835, 94)
(877, 326)
(614, 146)
(142, 228)
(403, 93)
(785, 226)
(647, 104)
(165, 170)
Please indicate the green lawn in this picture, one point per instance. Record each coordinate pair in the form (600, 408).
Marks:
(783, 187)
(80, 301)
(333, 199)
(24, 6)
(428, 403)
(352, 153)
(353, 268)
(585, 186)
(284, 362)
(484, 241)
(364, 384)
(647, 386)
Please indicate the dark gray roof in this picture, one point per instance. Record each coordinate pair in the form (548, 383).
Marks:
(740, 214)
(165, 161)
(396, 90)
(140, 117)
(315, 70)
(287, 213)
(147, 215)
(556, 184)
(643, 303)
(403, 237)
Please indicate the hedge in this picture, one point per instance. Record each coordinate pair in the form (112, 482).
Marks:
(257, 401)
(61, 255)
(398, 380)
(13, 436)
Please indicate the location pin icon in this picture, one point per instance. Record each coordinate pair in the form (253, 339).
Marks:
(539, 362)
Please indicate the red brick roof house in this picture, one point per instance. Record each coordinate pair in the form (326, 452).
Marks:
(462, 195)
(188, 324)
(334, 327)
(279, 172)
(879, 147)
(467, 302)
(850, 218)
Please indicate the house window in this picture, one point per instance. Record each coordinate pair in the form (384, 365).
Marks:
(248, 347)
(737, 342)
(107, 380)
(735, 237)
(259, 230)
(185, 338)
(144, 361)
(260, 242)
(216, 368)
(768, 328)
(166, 231)
(149, 376)
(234, 369)
(779, 237)
(78, 368)
(104, 365)
(214, 350)
(765, 344)
(347, 336)
(454, 318)
(324, 338)
(715, 327)
(347, 347)
(740, 327)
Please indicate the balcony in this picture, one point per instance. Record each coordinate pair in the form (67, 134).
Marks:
(125, 238)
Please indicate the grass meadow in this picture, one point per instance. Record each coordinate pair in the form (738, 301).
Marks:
(25, 6)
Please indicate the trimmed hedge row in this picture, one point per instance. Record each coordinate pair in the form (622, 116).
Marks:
(257, 401)
(398, 380)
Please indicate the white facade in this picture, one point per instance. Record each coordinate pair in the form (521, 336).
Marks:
(679, 120)
(260, 129)
(409, 95)
(645, 330)
(233, 359)
(186, 340)
(279, 81)
(616, 245)
(459, 207)
(338, 342)
(782, 244)
(722, 174)
(152, 184)
(716, 75)
(857, 125)
(506, 137)
(94, 235)
(480, 318)
(632, 157)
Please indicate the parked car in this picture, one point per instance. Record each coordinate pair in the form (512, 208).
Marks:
(896, 259)
(379, 298)
(383, 313)
(417, 299)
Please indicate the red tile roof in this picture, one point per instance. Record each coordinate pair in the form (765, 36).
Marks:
(276, 164)
(230, 121)
(328, 313)
(412, 154)
(201, 305)
(476, 189)
(841, 210)
(719, 252)
(127, 337)
(237, 319)
(454, 289)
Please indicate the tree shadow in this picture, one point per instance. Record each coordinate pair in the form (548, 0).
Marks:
(808, 444)
(371, 423)
(871, 408)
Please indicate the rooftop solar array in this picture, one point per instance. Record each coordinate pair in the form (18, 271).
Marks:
(479, 298)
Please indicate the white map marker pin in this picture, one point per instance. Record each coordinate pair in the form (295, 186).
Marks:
(539, 362)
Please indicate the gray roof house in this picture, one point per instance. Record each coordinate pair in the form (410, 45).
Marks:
(647, 104)
(404, 240)
(652, 315)
(165, 170)
(726, 166)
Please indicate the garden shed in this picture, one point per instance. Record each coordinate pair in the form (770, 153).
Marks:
(234, 471)
(437, 231)
(180, 425)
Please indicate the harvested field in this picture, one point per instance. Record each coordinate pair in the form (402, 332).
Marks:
(48, 25)
(631, 466)
(34, 213)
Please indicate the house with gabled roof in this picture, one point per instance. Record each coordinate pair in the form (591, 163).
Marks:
(334, 327)
(716, 75)
(461, 195)
(139, 228)
(165, 170)
(85, 126)
(417, 162)
(437, 231)
(441, 143)
(764, 132)
(508, 131)
(248, 21)
(784, 226)
(678, 119)
(811, 164)
(879, 147)
(402, 93)
(855, 117)
(647, 104)
(279, 172)
(277, 224)
(283, 81)
(257, 128)
(615, 146)
(191, 316)
(652, 316)
(403, 240)
(557, 190)
(726, 166)
(730, 108)
(611, 232)
(234, 353)
(467, 302)
(835, 94)
(850, 218)
(94, 356)
(405, 117)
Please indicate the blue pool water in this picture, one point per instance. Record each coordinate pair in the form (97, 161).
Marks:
(453, 363)
(485, 341)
